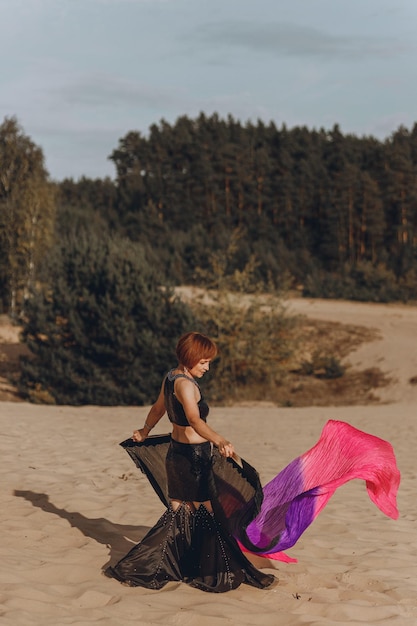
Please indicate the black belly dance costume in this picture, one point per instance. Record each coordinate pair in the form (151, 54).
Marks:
(192, 544)
(202, 549)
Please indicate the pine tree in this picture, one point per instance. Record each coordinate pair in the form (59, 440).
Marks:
(102, 327)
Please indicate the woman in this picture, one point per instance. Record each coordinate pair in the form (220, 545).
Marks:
(215, 504)
(188, 543)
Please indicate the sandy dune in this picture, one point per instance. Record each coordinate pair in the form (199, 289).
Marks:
(396, 350)
(72, 502)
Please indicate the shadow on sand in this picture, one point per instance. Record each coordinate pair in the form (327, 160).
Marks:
(98, 528)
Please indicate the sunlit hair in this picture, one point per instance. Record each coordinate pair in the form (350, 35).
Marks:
(193, 347)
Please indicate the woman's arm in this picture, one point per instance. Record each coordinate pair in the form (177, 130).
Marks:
(156, 411)
(185, 392)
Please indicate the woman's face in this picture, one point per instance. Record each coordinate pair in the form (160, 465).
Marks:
(200, 368)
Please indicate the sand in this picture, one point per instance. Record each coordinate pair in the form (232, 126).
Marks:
(72, 502)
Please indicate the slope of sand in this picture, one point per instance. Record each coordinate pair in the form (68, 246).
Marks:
(71, 502)
(395, 352)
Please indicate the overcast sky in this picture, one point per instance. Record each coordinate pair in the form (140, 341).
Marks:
(80, 74)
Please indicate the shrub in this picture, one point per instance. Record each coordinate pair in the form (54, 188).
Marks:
(363, 282)
(252, 330)
(101, 326)
(322, 366)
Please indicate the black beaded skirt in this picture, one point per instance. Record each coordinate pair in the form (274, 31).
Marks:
(195, 546)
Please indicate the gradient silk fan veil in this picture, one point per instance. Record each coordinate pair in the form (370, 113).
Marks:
(267, 520)
(294, 498)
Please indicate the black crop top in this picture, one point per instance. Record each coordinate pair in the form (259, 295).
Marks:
(175, 410)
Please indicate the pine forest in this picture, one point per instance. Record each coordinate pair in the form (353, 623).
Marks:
(89, 267)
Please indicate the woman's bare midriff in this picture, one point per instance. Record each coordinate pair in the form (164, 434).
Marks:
(186, 434)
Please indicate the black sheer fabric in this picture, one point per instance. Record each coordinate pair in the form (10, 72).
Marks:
(188, 468)
(195, 546)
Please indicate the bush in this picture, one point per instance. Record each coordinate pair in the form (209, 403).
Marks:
(322, 366)
(363, 282)
(252, 331)
(101, 327)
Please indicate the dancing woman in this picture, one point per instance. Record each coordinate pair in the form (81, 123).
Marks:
(216, 507)
(189, 542)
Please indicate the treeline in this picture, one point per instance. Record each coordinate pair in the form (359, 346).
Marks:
(332, 214)
(88, 266)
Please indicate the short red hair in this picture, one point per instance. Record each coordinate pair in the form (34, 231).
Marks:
(193, 347)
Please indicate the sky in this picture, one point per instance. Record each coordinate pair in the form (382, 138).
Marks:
(80, 74)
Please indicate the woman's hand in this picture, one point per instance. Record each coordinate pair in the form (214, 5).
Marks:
(226, 448)
(140, 435)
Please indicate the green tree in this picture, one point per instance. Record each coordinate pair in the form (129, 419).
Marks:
(27, 211)
(101, 327)
(370, 234)
(400, 192)
(93, 199)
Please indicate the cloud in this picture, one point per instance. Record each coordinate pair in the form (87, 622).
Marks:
(106, 90)
(293, 40)
(53, 87)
